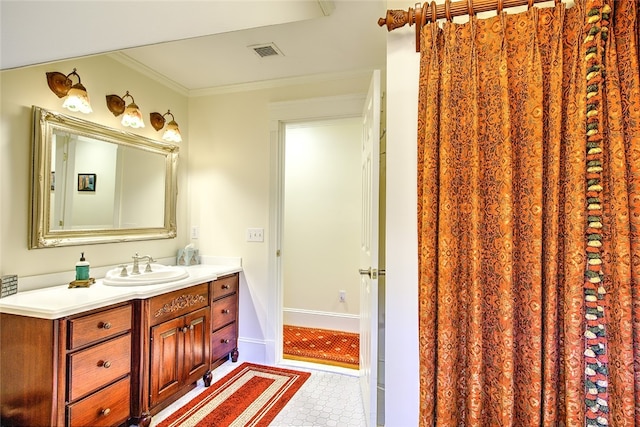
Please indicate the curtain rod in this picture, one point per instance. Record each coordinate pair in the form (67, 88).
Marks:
(430, 12)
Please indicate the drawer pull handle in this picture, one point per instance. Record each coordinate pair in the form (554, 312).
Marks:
(225, 286)
(224, 341)
(105, 412)
(106, 364)
(225, 311)
(106, 325)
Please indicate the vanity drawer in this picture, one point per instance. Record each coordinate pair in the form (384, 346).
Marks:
(223, 311)
(96, 366)
(224, 341)
(224, 286)
(99, 326)
(174, 304)
(108, 407)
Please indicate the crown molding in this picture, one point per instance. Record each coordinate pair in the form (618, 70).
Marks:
(276, 83)
(149, 72)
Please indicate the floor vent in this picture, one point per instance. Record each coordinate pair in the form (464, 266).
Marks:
(264, 50)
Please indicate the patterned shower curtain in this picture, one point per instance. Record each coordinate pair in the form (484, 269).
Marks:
(529, 218)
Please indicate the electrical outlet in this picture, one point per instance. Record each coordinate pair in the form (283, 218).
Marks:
(195, 232)
(255, 234)
(343, 296)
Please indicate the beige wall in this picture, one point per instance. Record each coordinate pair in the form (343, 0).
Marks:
(22, 88)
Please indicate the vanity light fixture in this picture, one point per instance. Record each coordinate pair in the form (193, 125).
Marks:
(132, 116)
(172, 133)
(77, 97)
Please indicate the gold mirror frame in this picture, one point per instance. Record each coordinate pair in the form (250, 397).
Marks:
(40, 233)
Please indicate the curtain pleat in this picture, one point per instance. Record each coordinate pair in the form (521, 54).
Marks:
(502, 218)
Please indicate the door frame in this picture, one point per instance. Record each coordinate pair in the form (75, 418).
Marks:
(281, 113)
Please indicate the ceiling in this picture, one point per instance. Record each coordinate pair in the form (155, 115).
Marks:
(212, 38)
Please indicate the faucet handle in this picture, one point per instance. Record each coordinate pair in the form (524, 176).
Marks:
(123, 273)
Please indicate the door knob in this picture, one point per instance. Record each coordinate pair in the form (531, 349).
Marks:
(371, 272)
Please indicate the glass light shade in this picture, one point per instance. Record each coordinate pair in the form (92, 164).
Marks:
(172, 134)
(132, 117)
(77, 100)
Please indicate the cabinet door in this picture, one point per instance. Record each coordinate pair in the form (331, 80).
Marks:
(166, 360)
(196, 345)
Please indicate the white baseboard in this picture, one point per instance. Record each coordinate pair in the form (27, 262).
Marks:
(321, 319)
(252, 350)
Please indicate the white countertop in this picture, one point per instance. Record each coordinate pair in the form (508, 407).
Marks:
(59, 301)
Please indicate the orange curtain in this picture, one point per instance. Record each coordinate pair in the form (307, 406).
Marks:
(529, 220)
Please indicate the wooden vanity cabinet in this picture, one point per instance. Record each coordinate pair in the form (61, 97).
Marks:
(117, 365)
(74, 371)
(224, 319)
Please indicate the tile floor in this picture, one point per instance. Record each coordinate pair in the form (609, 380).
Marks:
(330, 397)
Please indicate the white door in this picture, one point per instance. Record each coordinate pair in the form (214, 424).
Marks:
(369, 250)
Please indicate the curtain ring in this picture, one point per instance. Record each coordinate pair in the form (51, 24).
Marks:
(434, 11)
(470, 8)
(499, 7)
(447, 9)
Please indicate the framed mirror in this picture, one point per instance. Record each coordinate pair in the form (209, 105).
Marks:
(93, 184)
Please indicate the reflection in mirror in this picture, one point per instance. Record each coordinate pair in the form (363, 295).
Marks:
(93, 184)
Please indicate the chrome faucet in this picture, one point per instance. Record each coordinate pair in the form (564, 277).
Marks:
(136, 267)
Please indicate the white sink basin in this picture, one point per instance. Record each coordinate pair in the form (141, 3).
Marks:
(159, 274)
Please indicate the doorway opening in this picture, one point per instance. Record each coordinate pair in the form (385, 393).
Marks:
(283, 114)
(365, 107)
(320, 241)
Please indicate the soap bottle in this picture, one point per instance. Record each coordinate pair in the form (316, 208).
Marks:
(82, 268)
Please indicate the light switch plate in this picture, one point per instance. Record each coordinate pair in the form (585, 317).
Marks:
(255, 234)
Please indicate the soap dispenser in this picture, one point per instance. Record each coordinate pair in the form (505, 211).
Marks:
(82, 268)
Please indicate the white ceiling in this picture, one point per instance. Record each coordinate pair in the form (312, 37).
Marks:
(211, 37)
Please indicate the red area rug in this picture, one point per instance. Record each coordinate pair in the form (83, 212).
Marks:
(251, 395)
(324, 346)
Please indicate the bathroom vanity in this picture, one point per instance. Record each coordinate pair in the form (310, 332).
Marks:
(113, 355)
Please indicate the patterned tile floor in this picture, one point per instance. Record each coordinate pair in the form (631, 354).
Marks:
(330, 397)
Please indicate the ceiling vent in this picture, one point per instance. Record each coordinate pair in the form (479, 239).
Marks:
(264, 50)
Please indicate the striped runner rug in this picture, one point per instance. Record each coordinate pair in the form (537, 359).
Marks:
(250, 395)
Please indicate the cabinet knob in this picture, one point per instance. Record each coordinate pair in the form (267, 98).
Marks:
(106, 364)
(224, 341)
(225, 311)
(106, 325)
(105, 412)
(185, 329)
(225, 286)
